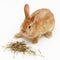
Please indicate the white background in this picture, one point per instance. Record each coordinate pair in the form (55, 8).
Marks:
(12, 16)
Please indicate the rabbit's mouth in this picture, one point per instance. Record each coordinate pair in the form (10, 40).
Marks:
(25, 34)
(28, 36)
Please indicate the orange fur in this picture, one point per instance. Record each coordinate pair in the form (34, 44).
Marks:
(41, 22)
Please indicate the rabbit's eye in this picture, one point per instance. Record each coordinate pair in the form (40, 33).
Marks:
(29, 27)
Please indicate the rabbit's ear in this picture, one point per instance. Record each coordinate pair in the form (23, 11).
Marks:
(26, 11)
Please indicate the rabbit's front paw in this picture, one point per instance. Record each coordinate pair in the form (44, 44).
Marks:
(35, 40)
(18, 35)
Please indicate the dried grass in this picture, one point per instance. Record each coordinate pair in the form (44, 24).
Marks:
(20, 47)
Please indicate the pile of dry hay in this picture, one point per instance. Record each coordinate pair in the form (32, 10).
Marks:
(20, 47)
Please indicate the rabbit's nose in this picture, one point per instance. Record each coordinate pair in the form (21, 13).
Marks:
(23, 31)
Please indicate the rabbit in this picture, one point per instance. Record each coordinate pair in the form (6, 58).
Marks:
(41, 22)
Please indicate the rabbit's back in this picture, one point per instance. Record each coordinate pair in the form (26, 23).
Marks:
(44, 20)
(41, 13)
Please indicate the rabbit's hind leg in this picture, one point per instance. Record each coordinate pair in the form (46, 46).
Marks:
(48, 34)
